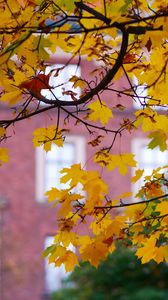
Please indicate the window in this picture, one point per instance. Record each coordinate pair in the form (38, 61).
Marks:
(53, 275)
(48, 165)
(141, 97)
(61, 82)
(140, 94)
(147, 159)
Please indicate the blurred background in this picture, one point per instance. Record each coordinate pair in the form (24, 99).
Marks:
(27, 224)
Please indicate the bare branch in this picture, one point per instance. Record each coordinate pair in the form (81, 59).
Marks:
(132, 203)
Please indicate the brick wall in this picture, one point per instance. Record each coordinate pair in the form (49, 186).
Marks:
(26, 222)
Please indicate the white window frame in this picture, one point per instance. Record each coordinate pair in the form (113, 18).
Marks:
(40, 158)
(136, 146)
(62, 82)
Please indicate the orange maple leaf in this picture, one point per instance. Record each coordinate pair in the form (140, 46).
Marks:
(129, 58)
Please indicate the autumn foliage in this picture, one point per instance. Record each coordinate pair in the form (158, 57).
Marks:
(127, 39)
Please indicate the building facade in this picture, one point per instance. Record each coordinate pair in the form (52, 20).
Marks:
(27, 222)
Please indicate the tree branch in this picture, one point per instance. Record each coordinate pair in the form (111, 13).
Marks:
(131, 203)
(145, 219)
(103, 83)
(93, 12)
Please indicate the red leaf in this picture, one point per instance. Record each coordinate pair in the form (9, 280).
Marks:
(129, 58)
(36, 84)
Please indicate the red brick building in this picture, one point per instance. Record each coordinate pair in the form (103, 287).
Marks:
(26, 221)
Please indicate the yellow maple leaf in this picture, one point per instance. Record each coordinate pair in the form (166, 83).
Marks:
(159, 138)
(150, 120)
(93, 182)
(59, 255)
(12, 97)
(100, 112)
(147, 251)
(69, 259)
(115, 226)
(4, 158)
(19, 77)
(145, 117)
(137, 176)
(98, 227)
(138, 236)
(135, 212)
(47, 136)
(54, 251)
(78, 82)
(94, 252)
(66, 238)
(73, 174)
(2, 131)
(122, 162)
(54, 194)
(66, 204)
(83, 241)
(112, 161)
(162, 208)
(159, 254)
(150, 250)
(64, 197)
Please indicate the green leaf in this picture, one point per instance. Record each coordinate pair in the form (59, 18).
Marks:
(158, 139)
(125, 6)
(48, 250)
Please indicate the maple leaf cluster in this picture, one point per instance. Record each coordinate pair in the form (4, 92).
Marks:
(127, 42)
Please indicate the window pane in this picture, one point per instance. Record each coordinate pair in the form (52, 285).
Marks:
(151, 159)
(48, 165)
(147, 159)
(56, 159)
(61, 82)
(68, 152)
